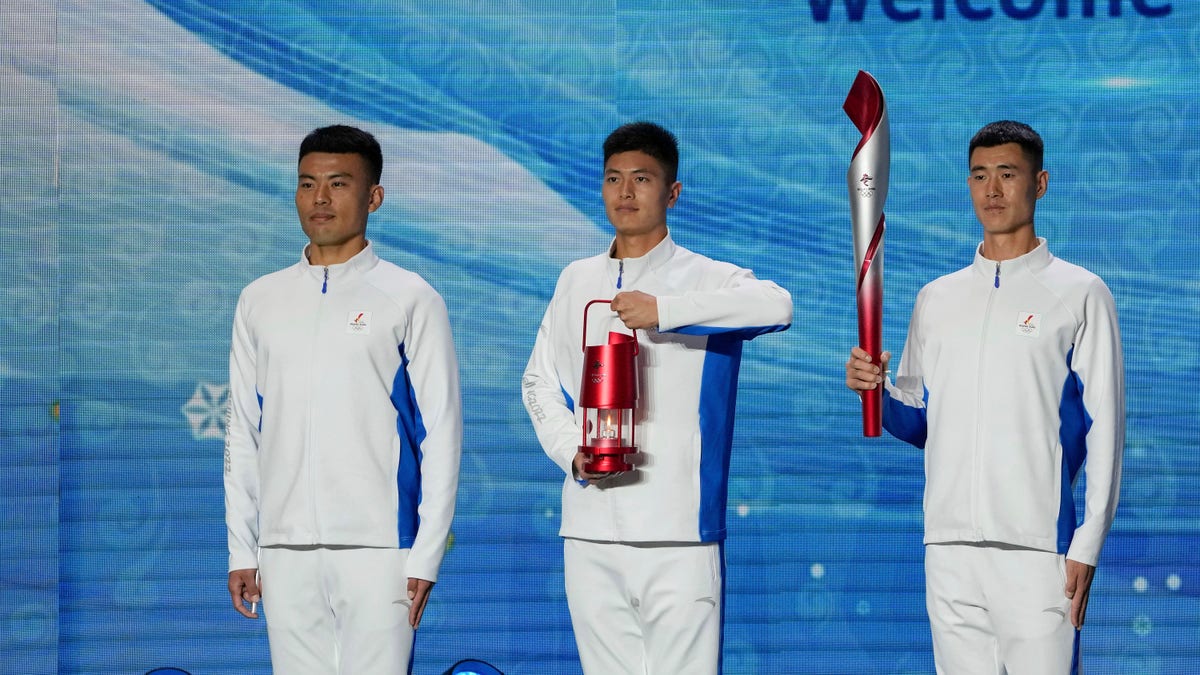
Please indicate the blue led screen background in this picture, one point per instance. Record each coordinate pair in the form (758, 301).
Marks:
(149, 162)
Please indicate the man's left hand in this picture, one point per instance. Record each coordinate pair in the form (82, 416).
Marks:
(1079, 585)
(636, 309)
(418, 594)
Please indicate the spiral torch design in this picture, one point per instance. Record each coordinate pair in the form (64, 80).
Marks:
(867, 182)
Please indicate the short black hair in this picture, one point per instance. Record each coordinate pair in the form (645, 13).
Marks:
(649, 138)
(1007, 131)
(342, 139)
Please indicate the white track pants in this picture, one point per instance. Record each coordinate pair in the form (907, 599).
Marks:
(336, 611)
(646, 609)
(999, 610)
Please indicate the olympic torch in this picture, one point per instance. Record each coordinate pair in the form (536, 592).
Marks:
(867, 181)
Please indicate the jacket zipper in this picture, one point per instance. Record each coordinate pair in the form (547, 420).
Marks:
(620, 272)
(311, 456)
(975, 471)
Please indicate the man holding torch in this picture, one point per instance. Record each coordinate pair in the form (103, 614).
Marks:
(1012, 381)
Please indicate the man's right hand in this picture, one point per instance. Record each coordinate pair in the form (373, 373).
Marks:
(582, 458)
(244, 587)
(862, 374)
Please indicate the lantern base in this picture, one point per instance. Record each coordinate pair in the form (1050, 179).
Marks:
(611, 460)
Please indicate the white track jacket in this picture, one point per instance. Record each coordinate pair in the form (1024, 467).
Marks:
(687, 382)
(345, 421)
(1012, 380)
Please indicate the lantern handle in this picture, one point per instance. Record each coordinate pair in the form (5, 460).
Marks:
(585, 317)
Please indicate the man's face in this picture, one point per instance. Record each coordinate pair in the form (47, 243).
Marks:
(1004, 188)
(334, 195)
(636, 193)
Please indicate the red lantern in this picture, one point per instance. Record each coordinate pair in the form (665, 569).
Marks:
(608, 397)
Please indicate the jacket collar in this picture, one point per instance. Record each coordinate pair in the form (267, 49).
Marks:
(653, 259)
(359, 264)
(1034, 261)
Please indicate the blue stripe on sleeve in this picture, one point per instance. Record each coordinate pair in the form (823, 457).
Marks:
(747, 333)
(567, 397)
(1074, 424)
(718, 400)
(907, 423)
(411, 430)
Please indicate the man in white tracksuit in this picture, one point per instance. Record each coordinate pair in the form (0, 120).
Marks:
(644, 564)
(345, 431)
(1012, 381)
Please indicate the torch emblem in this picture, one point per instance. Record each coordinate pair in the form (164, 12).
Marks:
(866, 190)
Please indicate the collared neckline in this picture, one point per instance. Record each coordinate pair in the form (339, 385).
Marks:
(1035, 260)
(626, 271)
(653, 259)
(358, 264)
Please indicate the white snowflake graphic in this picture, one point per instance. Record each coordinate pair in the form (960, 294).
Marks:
(206, 410)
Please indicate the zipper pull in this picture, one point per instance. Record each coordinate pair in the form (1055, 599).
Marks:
(325, 283)
(620, 272)
(997, 275)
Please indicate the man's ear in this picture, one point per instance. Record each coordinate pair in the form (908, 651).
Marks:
(376, 199)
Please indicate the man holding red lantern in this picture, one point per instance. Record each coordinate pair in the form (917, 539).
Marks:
(643, 555)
